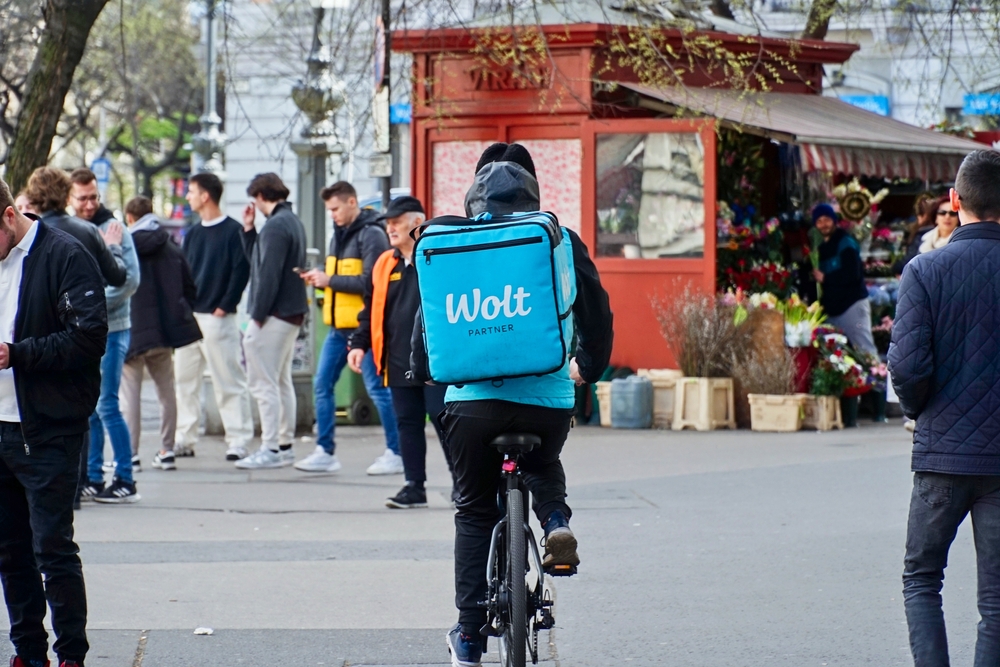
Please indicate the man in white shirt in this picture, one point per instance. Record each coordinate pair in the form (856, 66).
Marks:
(53, 331)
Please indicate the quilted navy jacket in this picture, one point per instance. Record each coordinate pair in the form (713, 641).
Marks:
(945, 353)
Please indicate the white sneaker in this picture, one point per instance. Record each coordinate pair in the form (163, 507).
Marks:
(287, 456)
(387, 464)
(236, 452)
(319, 461)
(262, 458)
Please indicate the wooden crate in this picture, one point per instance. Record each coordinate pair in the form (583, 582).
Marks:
(703, 404)
(821, 413)
(604, 403)
(781, 413)
(664, 393)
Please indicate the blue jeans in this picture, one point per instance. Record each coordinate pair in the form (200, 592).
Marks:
(109, 416)
(332, 360)
(938, 506)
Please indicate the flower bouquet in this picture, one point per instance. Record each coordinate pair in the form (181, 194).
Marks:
(800, 320)
(837, 371)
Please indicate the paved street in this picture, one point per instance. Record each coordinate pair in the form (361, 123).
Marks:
(721, 549)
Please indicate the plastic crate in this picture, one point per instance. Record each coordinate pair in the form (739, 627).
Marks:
(821, 413)
(664, 393)
(771, 412)
(703, 404)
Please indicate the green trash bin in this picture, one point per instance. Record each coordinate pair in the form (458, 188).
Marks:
(353, 404)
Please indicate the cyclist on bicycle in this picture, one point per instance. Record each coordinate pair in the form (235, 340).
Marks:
(477, 413)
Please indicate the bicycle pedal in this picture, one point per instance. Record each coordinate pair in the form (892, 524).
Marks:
(560, 570)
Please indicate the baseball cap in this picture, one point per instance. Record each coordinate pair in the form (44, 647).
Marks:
(401, 205)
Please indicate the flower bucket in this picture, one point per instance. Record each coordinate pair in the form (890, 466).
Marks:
(769, 412)
(821, 413)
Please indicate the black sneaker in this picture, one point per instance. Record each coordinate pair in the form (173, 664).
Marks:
(559, 543)
(164, 461)
(90, 490)
(118, 493)
(136, 464)
(409, 497)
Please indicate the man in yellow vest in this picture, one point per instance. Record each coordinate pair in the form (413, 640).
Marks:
(358, 241)
(386, 325)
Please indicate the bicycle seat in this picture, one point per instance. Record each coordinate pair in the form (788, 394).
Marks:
(516, 443)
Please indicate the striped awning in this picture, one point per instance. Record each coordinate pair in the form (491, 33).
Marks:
(931, 167)
(832, 135)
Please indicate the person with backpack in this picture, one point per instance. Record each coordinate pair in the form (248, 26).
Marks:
(477, 412)
(384, 327)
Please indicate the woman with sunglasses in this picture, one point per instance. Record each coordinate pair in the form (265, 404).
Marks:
(946, 221)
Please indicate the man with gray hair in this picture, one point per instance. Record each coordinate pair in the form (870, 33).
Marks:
(385, 326)
(53, 329)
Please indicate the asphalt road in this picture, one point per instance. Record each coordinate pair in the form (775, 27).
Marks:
(699, 549)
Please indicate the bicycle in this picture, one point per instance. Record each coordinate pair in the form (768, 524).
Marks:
(518, 604)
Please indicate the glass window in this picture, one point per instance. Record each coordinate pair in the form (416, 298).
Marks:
(650, 195)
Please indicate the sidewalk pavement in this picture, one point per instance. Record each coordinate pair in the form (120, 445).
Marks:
(699, 549)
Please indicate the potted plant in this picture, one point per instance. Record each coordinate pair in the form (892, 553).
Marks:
(703, 336)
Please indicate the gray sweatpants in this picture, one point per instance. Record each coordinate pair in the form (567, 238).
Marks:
(856, 323)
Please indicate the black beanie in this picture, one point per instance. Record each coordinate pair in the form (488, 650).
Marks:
(501, 152)
(491, 154)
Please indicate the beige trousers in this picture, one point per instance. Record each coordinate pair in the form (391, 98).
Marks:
(159, 362)
(219, 350)
(269, 350)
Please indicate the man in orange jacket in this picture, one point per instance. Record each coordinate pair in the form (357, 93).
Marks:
(385, 326)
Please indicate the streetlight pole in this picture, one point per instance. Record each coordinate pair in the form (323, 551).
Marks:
(209, 141)
(387, 86)
(319, 148)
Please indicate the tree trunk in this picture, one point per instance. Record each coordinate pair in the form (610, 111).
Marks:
(67, 26)
(819, 19)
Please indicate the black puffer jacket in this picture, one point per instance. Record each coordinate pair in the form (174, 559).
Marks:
(109, 258)
(945, 353)
(161, 310)
(59, 337)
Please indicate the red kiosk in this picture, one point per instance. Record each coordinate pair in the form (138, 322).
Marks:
(614, 161)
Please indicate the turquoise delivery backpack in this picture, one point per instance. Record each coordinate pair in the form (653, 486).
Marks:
(496, 294)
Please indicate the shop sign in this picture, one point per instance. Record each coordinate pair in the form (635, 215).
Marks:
(875, 103)
(530, 77)
(982, 104)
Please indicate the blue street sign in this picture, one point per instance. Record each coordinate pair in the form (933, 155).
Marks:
(875, 103)
(400, 114)
(982, 104)
(102, 170)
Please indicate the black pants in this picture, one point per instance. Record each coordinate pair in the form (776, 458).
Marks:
(413, 405)
(470, 426)
(37, 489)
(938, 506)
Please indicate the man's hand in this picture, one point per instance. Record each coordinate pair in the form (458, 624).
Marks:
(354, 359)
(4, 356)
(818, 275)
(316, 278)
(249, 213)
(574, 372)
(113, 234)
(218, 312)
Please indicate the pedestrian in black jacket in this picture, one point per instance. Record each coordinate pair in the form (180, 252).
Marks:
(841, 273)
(48, 190)
(384, 329)
(945, 363)
(162, 320)
(277, 305)
(53, 324)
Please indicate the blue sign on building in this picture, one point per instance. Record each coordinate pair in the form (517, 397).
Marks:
(875, 103)
(400, 114)
(982, 104)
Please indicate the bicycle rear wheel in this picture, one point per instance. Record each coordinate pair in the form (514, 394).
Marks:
(513, 642)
